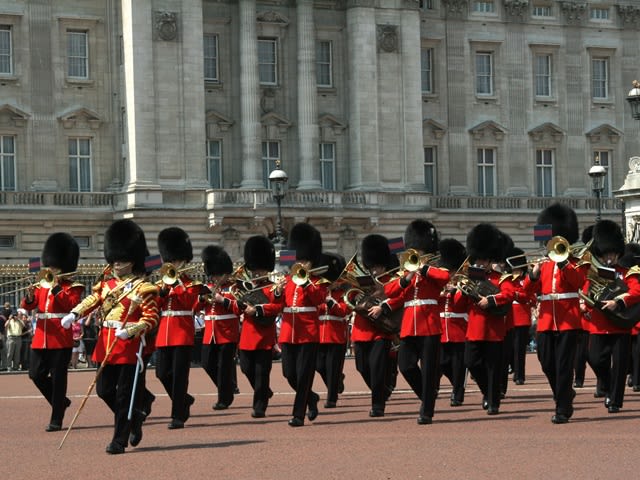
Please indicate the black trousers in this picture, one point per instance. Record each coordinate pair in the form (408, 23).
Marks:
(418, 361)
(48, 370)
(582, 353)
(635, 360)
(329, 365)
(556, 352)
(218, 360)
(520, 343)
(115, 387)
(172, 369)
(256, 366)
(371, 362)
(299, 368)
(609, 357)
(484, 361)
(507, 360)
(452, 366)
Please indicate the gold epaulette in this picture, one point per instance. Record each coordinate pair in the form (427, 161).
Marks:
(77, 284)
(147, 289)
(635, 270)
(504, 277)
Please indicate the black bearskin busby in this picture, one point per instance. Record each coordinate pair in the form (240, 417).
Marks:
(607, 238)
(485, 242)
(631, 255)
(259, 254)
(216, 261)
(563, 221)
(306, 240)
(124, 241)
(587, 234)
(421, 235)
(174, 244)
(336, 264)
(375, 251)
(452, 254)
(61, 251)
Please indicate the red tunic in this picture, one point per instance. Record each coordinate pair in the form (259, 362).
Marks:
(255, 336)
(48, 333)
(334, 319)
(484, 326)
(222, 320)
(522, 303)
(421, 315)
(557, 290)
(300, 322)
(176, 313)
(599, 323)
(364, 330)
(134, 303)
(453, 320)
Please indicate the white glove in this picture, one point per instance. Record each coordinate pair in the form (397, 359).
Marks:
(122, 333)
(67, 320)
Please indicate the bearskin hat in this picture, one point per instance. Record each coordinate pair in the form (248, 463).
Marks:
(452, 254)
(485, 242)
(587, 234)
(336, 264)
(124, 241)
(563, 221)
(375, 251)
(174, 244)
(421, 235)
(259, 254)
(306, 240)
(61, 251)
(607, 238)
(631, 255)
(216, 261)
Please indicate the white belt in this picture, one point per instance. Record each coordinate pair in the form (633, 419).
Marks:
(112, 324)
(49, 315)
(557, 296)
(299, 309)
(333, 318)
(453, 315)
(176, 313)
(417, 303)
(227, 316)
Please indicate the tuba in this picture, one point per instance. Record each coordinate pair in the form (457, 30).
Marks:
(605, 284)
(473, 283)
(361, 301)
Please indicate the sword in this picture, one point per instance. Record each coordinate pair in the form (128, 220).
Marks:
(139, 370)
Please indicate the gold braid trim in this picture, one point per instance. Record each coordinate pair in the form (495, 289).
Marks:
(635, 270)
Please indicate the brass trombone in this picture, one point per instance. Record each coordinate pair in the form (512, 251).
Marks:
(169, 274)
(557, 250)
(45, 278)
(300, 274)
(411, 260)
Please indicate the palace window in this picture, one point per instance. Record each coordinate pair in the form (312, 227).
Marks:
(544, 173)
(486, 172)
(7, 162)
(214, 163)
(80, 164)
(77, 54)
(268, 61)
(211, 58)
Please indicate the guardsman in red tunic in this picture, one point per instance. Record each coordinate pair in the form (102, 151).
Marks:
(334, 316)
(53, 340)
(258, 333)
(559, 317)
(299, 338)
(520, 313)
(372, 345)
(221, 325)
(129, 309)
(609, 342)
(487, 325)
(178, 296)
(419, 289)
(631, 258)
(453, 322)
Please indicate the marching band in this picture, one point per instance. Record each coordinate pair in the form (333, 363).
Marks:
(441, 308)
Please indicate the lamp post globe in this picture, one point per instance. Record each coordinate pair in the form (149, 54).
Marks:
(278, 181)
(634, 99)
(597, 173)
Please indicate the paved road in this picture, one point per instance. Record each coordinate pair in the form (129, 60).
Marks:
(342, 443)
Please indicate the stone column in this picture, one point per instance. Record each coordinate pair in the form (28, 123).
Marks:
(141, 168)
(249, 97)
(363, 96)
(308, 134)
(411, 97)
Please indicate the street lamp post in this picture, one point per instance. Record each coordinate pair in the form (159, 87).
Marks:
(278, 181)
(597, 173)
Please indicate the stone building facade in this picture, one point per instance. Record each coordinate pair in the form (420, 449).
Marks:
(173, 112)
